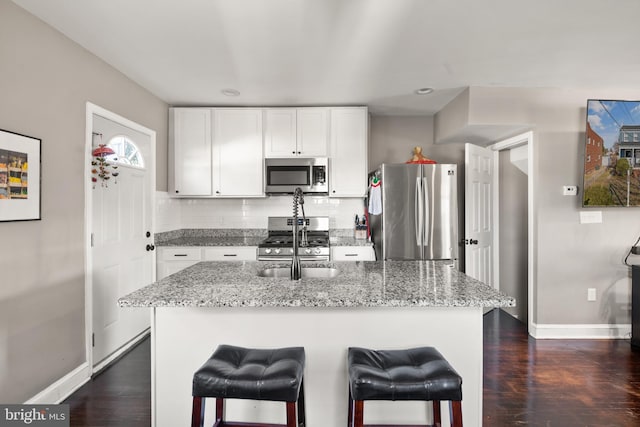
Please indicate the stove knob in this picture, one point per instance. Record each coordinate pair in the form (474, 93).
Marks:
(267, 251)
(277, 250)
(307, 251)
(290, 250)
(317, 251)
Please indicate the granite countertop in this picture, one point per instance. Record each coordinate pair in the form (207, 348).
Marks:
(211, 237)
(359, 284)
(240, 237)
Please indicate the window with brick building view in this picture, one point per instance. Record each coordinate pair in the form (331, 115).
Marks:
(612, 154)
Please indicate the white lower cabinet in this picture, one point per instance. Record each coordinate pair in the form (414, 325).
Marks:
(173, 259)
(352, 253)
(230, 253)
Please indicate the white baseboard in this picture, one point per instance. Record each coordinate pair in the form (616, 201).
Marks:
(595, 331)
(61, 389)
(119, 352)
(65, 386)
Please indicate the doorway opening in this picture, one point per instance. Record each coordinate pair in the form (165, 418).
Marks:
(513, 215)
(499, 221)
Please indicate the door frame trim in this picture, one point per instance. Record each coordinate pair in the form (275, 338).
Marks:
(91, 110)
(506, 144)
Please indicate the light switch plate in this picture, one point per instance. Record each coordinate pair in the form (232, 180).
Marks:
(570, 190)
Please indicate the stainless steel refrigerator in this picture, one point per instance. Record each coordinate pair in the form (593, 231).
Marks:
(419, 218)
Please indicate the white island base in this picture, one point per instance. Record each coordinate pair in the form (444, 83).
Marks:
(184, 337)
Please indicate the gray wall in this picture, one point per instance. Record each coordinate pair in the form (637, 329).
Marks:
(45, 82)
(513, 234)
(570, 257)
(392, 139)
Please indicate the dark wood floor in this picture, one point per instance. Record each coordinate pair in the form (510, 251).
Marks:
(527, 382)
(557, 382)
(119, 396)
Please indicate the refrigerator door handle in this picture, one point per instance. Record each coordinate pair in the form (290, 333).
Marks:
(427, 211)
(418, 207)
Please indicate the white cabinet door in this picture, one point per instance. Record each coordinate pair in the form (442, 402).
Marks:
(190, 152)
(280, 132)
(237, 152)
(352, 253)
(230, 253)
(296, 132)
(348, 155)
(312, 132)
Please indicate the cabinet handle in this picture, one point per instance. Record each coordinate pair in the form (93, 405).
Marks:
(217, 192)
(179, 254)
(350, 254)
(293, 152)
(177, 191)
(230, 255)
(299, 152)
(150, 247)
(333, 191)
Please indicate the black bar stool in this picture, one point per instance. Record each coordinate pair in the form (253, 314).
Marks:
(244, 373)
(413, 374)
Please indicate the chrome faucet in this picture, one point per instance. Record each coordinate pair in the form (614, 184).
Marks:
(298, 201)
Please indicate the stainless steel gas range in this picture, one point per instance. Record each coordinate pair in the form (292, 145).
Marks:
(313, 239)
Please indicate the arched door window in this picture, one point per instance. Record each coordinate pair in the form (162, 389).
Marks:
(126, 152)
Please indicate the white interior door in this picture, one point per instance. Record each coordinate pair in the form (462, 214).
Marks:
(478, 215)
(122, 236)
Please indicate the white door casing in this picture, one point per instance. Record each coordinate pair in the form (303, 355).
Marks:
(119, 226)
(478, 218)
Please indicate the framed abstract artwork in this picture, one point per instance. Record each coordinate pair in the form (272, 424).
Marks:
(19, 177)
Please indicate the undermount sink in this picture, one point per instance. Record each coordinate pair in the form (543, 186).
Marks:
(306, 272)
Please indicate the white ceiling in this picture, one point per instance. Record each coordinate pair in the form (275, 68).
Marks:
(355, 52)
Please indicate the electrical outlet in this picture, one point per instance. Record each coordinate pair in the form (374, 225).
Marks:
(591, 294)
(569, 190)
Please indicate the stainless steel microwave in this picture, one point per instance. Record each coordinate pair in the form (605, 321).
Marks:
(282, 176)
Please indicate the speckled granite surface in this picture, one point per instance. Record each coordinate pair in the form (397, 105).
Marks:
(240, 237)
(211, 237)
(359, 284)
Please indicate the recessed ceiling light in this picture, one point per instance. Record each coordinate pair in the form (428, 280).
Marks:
(424, 90)
(230, 92)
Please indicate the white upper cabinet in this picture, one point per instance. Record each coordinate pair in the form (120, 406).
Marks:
(296, 132)
(190, 149)
(312, 132)
(219, 152)
(348, 152)
(237, 152)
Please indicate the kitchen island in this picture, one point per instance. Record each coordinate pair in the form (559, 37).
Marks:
(381, 305)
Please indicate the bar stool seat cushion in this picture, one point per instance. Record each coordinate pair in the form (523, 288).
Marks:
(257, 374)
(412, 374)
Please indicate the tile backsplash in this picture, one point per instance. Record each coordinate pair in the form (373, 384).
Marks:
(173, 214)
